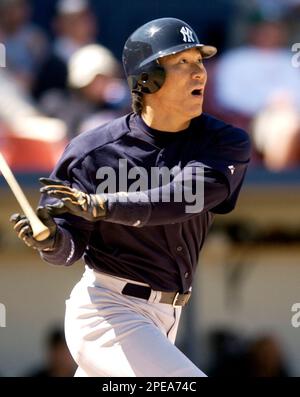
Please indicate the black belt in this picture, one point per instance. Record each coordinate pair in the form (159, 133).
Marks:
(173, 298)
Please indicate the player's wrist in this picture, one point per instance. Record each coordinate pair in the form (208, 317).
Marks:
(98, 206)
(53, 242)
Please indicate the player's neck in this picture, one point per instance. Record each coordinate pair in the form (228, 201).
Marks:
(164, 121)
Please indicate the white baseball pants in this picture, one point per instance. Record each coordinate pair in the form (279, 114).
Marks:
(114, 335)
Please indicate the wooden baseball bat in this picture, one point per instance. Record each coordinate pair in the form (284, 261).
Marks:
(40, 231)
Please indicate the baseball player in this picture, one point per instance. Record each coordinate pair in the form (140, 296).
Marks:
(140, 236)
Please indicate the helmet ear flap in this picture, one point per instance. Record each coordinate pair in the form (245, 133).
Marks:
(149, 80)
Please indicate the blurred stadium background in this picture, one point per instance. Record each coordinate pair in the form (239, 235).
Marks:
(63, 76)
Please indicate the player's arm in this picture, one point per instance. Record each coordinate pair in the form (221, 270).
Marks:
(173, 202)
(199, 187)
(70, 246)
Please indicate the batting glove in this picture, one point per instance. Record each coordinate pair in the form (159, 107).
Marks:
(91, 207)
(23, 228)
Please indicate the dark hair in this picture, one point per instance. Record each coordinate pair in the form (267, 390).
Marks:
(137, 102)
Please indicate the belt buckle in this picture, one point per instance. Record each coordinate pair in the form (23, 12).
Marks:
(186, 297)
(175, 300)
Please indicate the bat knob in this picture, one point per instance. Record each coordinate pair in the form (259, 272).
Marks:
(42, 234)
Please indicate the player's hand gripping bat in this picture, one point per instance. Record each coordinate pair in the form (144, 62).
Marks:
(40, 231)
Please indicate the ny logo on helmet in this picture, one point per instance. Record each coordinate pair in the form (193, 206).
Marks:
(187, 34)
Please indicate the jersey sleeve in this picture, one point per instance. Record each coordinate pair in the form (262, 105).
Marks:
(210, 183)
(73, 232)
(231, 159)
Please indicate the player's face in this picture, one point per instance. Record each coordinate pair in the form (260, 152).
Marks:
(183, 88)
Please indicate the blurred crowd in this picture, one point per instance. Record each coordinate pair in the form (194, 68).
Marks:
(231, 355)
(57, 362)
(54, 89)
(257, 87)
(235, 356)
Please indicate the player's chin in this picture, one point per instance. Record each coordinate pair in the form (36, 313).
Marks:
(195, 111)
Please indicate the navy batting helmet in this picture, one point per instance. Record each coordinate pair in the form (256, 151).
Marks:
(156, 39)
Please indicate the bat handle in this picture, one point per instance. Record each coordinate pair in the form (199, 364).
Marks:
(40, 231)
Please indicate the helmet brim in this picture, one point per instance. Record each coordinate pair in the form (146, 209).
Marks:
(206, 51)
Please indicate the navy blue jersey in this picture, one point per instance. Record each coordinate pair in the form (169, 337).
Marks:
(150, 236)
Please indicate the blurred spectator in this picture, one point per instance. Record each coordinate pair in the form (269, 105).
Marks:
(26, 45)
(233, 356)
(276, 133)
(59, 362)
(261, 70)
(228, 354)
(98, 93)
(292, 17)
(276, 9)
(74, 27)
(254, 79)
(16, 103)
(29, 140)
(265, 358)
